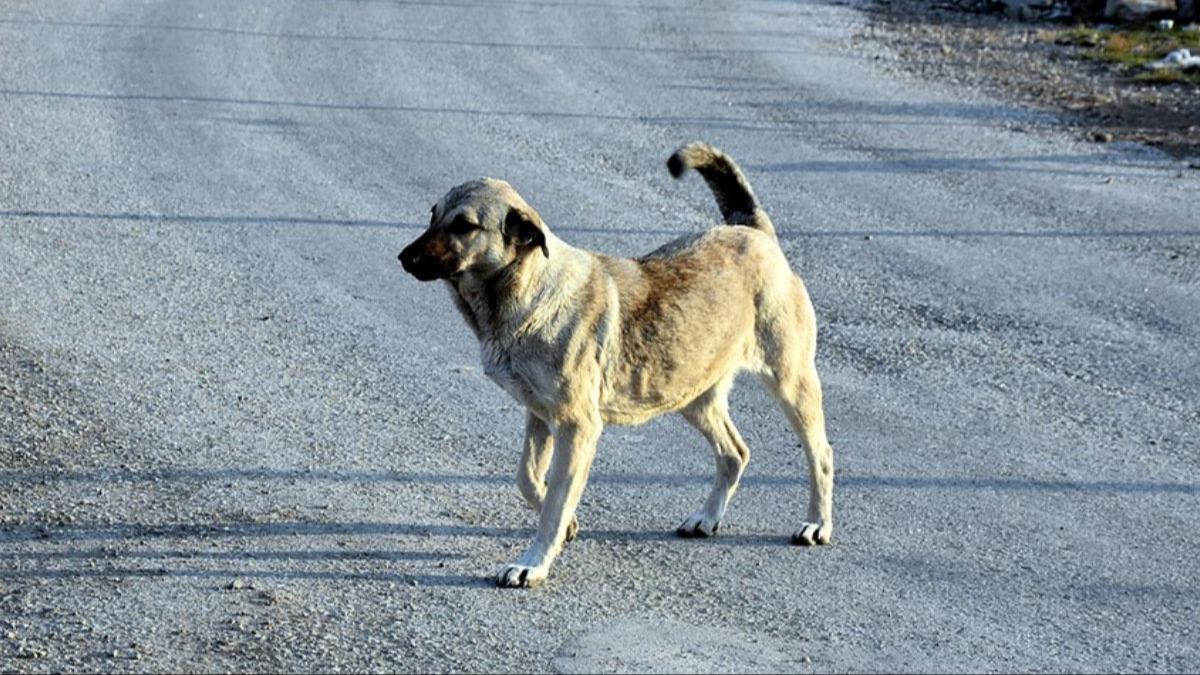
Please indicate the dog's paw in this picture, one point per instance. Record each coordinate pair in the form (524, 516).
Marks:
(813, 534)
(698, 525)
(520, 576)
(572, 530)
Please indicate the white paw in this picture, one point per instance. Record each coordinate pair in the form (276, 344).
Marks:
(813, 534)
(521, 576)
(699, 524)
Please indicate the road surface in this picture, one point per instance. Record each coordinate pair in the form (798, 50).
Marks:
(235, 436)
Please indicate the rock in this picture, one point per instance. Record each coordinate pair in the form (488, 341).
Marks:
(31, 652)
(237, 585)
(1137, 11)
(1026, 10)
(1102, 137)
(1059, 12)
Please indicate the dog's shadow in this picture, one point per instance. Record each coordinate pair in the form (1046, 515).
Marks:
(163, 550)
(108, 557)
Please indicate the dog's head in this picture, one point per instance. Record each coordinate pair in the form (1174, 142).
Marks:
(478, 228)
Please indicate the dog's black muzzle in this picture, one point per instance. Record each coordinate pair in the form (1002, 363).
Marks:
(423, 263)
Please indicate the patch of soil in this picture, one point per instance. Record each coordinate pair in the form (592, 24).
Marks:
(1022, 62)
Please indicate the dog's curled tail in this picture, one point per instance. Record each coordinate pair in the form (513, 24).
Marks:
(736, 200)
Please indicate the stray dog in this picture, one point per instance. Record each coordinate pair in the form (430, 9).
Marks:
(583, 340)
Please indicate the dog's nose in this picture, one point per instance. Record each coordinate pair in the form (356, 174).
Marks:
(409, 259)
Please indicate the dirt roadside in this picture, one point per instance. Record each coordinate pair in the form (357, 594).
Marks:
(1040, 65)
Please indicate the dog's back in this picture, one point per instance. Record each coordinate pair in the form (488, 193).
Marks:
(691, 311)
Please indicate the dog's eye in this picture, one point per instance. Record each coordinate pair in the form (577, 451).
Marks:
(462, 227)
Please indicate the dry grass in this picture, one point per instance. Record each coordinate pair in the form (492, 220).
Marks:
(1134, 48)
(1162, 76)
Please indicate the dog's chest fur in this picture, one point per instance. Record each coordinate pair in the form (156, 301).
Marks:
(500, 366)
(509, 361)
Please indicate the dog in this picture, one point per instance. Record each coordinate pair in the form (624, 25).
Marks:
(584, 340)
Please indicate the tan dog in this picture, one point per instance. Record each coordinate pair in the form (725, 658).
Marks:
(584, 340)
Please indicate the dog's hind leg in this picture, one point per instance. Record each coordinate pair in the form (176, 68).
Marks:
(535, 460)
(710, 415)
(787, 339)
(800, 397)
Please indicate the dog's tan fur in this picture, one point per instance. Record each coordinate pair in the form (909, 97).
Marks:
(584, 340)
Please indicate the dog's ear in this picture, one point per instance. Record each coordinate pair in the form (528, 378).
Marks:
(526, 228)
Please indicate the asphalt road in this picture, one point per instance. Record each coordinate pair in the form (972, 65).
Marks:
(235, 436)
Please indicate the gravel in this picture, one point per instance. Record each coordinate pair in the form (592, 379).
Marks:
(1008, 345)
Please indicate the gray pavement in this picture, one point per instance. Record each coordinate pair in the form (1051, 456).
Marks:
(235, 437)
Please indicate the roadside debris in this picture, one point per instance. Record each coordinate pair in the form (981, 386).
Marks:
(1180, 59)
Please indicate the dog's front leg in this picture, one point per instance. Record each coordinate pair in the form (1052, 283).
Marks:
(535, 460)
(574, 449)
